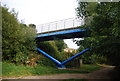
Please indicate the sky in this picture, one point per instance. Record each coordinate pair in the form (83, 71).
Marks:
(44, 11)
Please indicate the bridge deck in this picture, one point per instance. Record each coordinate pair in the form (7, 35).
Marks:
(58, 30)
(75, 33)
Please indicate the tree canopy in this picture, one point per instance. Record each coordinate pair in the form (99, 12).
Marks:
(18, 42)
(17, 38)
(103, 20)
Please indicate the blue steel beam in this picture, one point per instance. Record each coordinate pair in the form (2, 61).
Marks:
(61, 65)
(50, 57)
(75, 56)
(67, 34)
(62, 32)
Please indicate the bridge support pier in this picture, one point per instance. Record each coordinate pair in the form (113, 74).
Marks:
(59, 64)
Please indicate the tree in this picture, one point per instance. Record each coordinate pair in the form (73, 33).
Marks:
(32, 26)
(17, 39)
(60, 45)
(104, 27)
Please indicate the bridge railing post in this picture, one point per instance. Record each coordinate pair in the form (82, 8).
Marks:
(56, 25)
(48, 27)
(73, 23)
(41, 28)
(64, 24)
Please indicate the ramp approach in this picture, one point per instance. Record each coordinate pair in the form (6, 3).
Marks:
(63, 29)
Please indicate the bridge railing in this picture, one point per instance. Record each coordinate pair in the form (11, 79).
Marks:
(60, 25)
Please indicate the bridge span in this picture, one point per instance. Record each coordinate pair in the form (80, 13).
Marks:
(63, 29)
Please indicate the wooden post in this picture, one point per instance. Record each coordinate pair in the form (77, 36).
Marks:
(81, 61)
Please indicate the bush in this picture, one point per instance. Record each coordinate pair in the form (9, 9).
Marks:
(17, 39)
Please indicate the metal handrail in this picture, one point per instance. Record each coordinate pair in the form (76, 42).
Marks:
(60, 25)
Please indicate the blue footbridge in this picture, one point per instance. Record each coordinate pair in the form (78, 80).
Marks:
(62, 29)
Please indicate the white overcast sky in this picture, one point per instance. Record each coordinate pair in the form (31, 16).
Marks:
(43, 11)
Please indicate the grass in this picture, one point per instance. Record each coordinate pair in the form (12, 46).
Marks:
(12, 70)
(9, 69)
(90, 67)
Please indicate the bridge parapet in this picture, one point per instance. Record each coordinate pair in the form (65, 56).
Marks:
(60, 25)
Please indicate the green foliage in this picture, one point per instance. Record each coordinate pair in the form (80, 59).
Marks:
(74, 62)
(91, 58)
(51, 48)
(105, 29)
(17, 39)
(32, 26)
(60, 45)
(44, 61)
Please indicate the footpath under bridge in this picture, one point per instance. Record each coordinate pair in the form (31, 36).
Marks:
(63, 29)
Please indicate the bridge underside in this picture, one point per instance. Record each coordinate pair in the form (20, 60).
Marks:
(75, 33)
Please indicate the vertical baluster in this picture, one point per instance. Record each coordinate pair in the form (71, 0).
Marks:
(41, 28)
(64, 24)
(56, 25)
(73, 23)
(48, 27)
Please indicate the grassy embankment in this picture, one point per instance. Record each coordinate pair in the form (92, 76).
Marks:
(12, 70)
